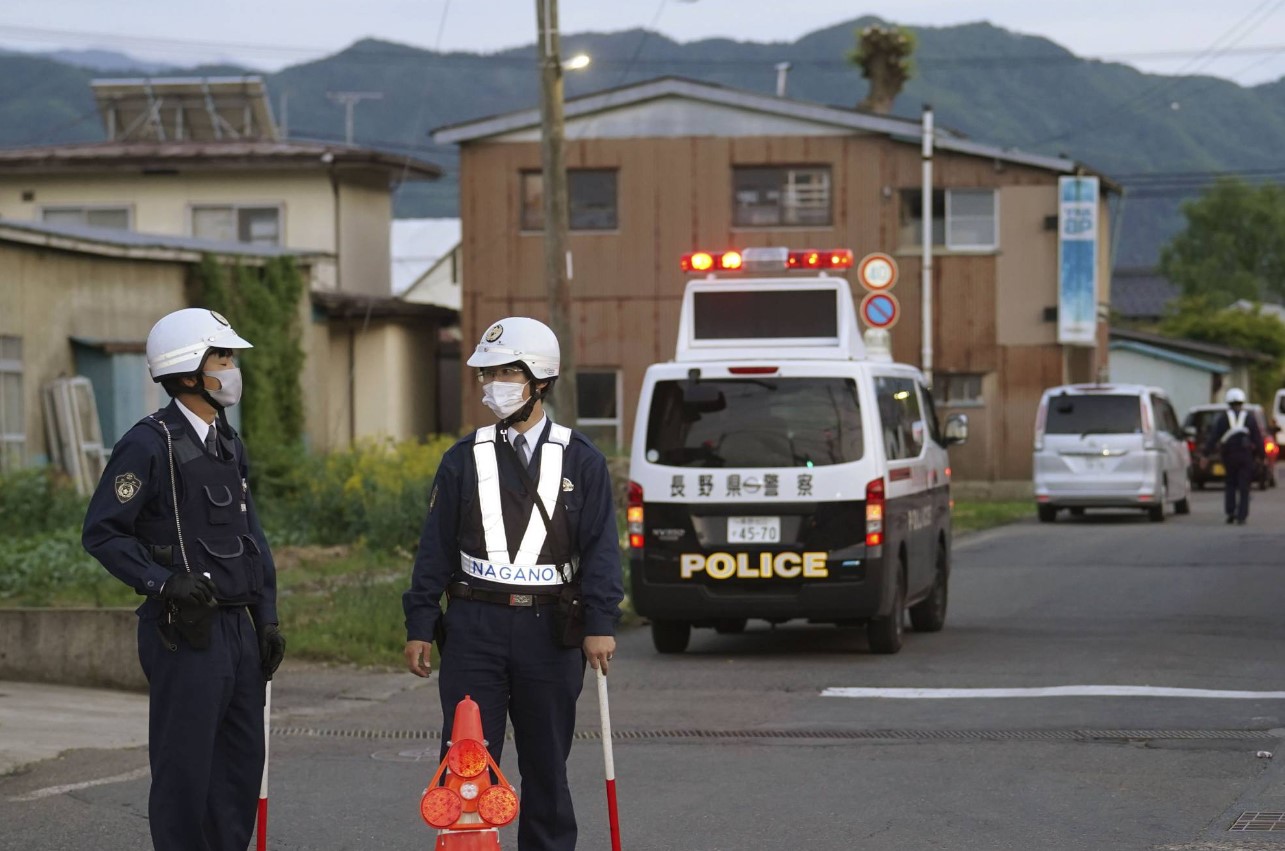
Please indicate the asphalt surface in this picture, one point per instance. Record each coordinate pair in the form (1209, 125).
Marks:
(732, 745)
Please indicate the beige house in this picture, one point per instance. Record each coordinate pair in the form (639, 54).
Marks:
(670, 166)
(79, 302)
(201, 159)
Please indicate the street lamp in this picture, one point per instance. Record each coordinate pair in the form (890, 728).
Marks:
(577, 63)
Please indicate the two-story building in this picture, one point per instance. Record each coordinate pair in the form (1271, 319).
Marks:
(203, 160)
(672, 165)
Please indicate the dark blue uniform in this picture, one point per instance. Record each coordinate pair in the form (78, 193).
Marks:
(1238, 453)
(206, 712)
(507, 656)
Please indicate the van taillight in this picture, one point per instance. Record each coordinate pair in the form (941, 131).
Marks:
(874, 513)
(634, 516)
(1040, 417)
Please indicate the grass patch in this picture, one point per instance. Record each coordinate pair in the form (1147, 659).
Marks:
(343, 605)
(973, 516)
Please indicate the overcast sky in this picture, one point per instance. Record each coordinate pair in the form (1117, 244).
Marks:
(1242, 40)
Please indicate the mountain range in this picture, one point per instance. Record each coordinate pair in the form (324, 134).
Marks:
(1160, 137)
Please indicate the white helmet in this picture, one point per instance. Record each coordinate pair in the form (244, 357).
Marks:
(1235, 396)
(177, 344)
(519, 338)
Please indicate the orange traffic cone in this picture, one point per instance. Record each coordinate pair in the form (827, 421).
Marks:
(461, 800)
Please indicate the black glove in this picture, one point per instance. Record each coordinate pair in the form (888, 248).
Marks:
(272, 649)
(189, 589)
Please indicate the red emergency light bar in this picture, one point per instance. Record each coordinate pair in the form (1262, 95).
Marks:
(767, 259)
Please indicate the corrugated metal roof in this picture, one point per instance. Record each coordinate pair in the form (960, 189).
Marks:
(1141, 293)
(158, 157)
(1170, 356)
(899, 128)
(126, 242)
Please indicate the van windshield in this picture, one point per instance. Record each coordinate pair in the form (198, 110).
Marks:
(1105, 414)
(755, 422)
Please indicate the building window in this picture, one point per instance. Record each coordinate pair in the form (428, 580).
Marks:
(95, 217)
(598, 406)
(229, 223)
(591, 197)
(958, 388)
(963, 219)
(780, 197)
(13, 431)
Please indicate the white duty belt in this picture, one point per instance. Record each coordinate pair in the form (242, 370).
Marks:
(1237, 425)
(523, 565)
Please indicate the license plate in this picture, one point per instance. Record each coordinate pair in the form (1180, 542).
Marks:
(1219, 470)
(754, 530)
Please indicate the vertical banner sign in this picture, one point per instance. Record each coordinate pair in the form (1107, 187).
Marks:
(1077, 250)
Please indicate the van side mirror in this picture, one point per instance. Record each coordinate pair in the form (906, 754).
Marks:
(956, 430)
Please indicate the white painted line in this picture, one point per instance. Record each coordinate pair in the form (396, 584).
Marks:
(51, 791)
(1051, 691)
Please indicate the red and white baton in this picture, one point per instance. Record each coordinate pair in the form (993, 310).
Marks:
(262, 844)
(604, 712)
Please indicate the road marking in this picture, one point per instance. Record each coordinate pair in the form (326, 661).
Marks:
(51, 791)
(1050, 691)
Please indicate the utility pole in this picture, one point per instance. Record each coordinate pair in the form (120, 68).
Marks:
(926, 349)
(557, 259)
(350, 100)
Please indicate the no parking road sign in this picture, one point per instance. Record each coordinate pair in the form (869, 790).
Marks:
(880, 310)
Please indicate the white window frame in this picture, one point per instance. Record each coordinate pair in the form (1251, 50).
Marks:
(85, 209)
(952, 218)
(9, 366)
(599, 422)
(793, 196)
(236, 209)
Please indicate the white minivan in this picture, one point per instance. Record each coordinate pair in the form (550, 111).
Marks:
(781, 471)
(1109, 446)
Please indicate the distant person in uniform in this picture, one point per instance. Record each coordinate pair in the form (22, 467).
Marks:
(173, 518)
(1239, 442)
(534, 589)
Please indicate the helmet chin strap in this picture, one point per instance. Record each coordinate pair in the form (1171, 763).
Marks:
(523, 413)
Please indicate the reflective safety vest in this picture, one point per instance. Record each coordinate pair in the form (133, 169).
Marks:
(540, 558)
(1236, 425)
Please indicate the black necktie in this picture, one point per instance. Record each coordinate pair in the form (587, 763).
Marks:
(212, 442)
(519, 446)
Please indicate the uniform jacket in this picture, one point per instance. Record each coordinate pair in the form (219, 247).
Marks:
(132, 509)
(1239, 448)
(584, 517)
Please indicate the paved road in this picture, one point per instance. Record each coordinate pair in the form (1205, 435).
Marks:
(732, 745)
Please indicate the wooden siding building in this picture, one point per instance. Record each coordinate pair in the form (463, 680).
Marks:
(670, 166)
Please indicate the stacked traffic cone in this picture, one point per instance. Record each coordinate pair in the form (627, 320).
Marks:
(461, 800)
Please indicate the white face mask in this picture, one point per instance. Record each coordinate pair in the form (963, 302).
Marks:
(230, 393)
(503, 397)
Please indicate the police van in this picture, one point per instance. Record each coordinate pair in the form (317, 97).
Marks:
(783, 467)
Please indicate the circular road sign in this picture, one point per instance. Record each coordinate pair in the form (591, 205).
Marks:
(880, 310)
(877, 271)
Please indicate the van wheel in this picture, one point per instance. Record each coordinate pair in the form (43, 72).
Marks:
(730, 626)
(1156, 513)
(885, 633)
(929, 614)
(670, 636)
(1047, 513)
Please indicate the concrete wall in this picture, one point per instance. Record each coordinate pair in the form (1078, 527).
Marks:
(81, 647)
(365, 221)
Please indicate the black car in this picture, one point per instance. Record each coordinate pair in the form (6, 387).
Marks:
(1208, 468)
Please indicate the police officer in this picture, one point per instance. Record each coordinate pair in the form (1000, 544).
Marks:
(505, 567)
(173, 518)
(1237, 438)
